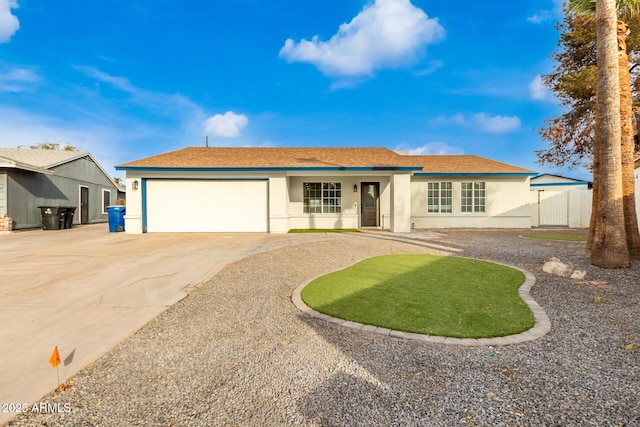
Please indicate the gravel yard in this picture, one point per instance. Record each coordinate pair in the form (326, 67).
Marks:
(237, 352)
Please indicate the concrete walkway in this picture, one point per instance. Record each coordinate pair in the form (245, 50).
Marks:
(85, 290)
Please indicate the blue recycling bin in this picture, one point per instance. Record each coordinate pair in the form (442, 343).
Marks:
(116, 218)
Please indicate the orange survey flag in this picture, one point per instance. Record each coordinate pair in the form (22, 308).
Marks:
(55, 357)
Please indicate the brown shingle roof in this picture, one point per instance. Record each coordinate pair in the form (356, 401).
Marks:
(465, 164)
(258, 157)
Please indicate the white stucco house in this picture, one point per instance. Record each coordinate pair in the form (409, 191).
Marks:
(560, 201)
(278, 189)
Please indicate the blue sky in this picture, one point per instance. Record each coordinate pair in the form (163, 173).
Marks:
(127, 79)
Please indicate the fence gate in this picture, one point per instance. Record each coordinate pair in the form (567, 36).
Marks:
(553, 208)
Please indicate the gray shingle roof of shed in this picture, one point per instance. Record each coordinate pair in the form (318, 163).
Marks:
(41, 158)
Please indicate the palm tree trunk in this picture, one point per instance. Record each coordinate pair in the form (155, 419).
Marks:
(609, 249)
(628, 146)
(595, 194)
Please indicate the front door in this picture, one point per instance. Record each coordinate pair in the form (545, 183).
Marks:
(370, 204)
(84, 205)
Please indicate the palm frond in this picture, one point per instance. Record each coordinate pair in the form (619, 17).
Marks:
(626, 8)
(582, 7)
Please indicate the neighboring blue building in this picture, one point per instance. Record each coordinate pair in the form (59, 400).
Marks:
(547, 181)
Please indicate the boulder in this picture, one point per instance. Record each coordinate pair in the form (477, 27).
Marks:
(578, 274)
(555, 266)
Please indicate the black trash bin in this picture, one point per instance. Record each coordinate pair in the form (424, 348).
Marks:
(62, 210)
(51, 217)
(68, 217)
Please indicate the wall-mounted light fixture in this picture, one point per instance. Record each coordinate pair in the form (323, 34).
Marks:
(355, 188)
(134, 185)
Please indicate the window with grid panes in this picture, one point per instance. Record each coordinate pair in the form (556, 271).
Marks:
(322, 197)
(473, 197)
(439, 197)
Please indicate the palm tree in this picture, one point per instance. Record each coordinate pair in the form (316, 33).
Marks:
(628, 145)
(609, 246)
(614, 185)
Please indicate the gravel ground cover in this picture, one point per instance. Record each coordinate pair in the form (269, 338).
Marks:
(237, 352)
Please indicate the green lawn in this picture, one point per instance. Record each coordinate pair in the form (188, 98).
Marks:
(427, 294)
(557, 236)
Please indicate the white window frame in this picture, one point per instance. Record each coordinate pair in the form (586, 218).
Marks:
(442, 196)
(476, 201)
(104, 207)
(321, 198)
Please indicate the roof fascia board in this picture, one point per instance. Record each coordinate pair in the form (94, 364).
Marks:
(80, 155)
(270, 169)
(564, 178)
(427, 174)
(25, 167)
(560, 184)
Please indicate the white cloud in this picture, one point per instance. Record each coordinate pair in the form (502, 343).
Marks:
(227, 125)
(432, 67)
(538, 90)
(432, 148)
(547, 15)
(496, 124)
(120, 83)
(17, 79)
(540, 17)
(163, 104)
(9, 24)
(483, 122)
(385, 34)
(458, 119)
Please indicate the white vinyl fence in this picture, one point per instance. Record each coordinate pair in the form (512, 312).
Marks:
(567, 208)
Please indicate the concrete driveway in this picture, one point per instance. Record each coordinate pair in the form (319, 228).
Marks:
(85, 290)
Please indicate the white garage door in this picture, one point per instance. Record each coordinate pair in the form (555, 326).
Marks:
(206, 206)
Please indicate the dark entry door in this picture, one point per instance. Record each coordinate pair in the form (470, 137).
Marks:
(370, 204)
(84, 205)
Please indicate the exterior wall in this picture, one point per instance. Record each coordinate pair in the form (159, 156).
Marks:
(350, 215)
(3, 193)
(133, 212)
(401, 203)
(28, 190)
(507, 204)
(285, 198)
(403, 200)
(6, 222)
(278, 204)
(348, 218)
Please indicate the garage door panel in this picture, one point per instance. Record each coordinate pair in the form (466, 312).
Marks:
(206, 206)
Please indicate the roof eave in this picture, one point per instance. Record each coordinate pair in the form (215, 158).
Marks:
(561, 184)
(471, 174)
(266, 169)
(25, 167)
